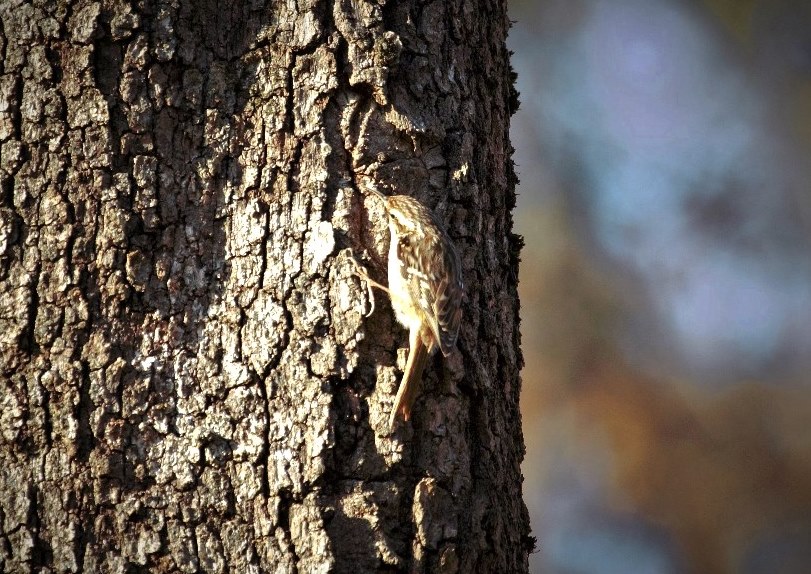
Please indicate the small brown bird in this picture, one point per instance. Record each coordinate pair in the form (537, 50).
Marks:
(425, 288)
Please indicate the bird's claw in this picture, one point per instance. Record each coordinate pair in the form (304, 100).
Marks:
(360, 272)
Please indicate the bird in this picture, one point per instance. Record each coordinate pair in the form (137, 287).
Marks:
(425, 289)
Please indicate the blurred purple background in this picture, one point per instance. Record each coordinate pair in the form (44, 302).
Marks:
(664, 152)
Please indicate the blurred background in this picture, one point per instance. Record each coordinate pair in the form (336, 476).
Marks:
(664, 152)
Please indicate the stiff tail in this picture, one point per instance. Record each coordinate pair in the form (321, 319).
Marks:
(412, 379)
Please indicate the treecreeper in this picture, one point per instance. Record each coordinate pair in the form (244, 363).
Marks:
(425, 289)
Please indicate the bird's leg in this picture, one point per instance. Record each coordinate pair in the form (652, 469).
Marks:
(361, 272)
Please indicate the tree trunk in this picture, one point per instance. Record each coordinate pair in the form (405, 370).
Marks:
(188, 380)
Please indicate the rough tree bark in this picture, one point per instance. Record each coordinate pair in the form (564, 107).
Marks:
(187, 380)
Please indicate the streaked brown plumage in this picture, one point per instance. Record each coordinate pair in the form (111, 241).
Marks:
(425, 287)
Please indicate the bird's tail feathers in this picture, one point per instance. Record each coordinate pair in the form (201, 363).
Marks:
(412, 381)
